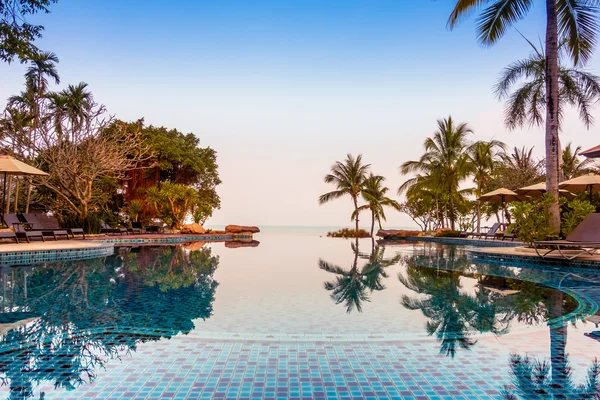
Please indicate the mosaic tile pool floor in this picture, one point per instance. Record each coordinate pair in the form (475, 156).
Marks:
(420, 321)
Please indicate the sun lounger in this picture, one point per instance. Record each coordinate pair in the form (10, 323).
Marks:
(115, 231)
(9, 235)
(11, 220)
(490, 233)
(48, 226)
(136, 227)
(584, 240)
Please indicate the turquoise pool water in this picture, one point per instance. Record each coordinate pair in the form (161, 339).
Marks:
(300, 316)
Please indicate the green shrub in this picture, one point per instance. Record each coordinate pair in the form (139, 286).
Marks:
(448, 234)
(349, 233)
(531, 219)
(90, 224)
(575, 212)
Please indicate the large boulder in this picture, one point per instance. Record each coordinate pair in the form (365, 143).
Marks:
(241, 229)
(235, 244)
(194, 229)
(394, 234)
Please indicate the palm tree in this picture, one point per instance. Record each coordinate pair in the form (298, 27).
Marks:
(518, 168)
(353, 286)
(78, 102)
(445, 163)
(483, 158)
(572, 166)
(573, 21)
(374, 193)
(349, 178)
(42, 66)
(527, 103)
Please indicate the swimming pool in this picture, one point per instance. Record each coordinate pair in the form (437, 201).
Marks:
(299, 316)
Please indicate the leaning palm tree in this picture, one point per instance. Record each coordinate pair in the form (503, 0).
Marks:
(572, 166)
(522, 85)
(445, 163)
(483, 157)
(349, 178)
(573, 21)
(374, 193)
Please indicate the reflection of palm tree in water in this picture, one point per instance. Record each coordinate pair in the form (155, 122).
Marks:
(353, 286)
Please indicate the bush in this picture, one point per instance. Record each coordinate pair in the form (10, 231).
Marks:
(349, 233)
(90, 224)
(574, 213)
(448, 234)
(531, 219)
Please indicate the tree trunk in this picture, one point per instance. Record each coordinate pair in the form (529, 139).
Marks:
(552, 165)
(8, 190)
(478, 216)
(28, 197)
(558, 343)
(16, 206)
(356, 213)
(372, 222)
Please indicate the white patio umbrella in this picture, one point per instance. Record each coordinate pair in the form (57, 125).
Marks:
(11, 166)
(539, 189)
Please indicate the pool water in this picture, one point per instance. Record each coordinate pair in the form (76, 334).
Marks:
(299, 316)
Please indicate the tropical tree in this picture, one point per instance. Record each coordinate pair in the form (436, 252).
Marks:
(527, 102)
(374, 193)
(517, 169)
(572, 21)
(572, 166)
(172, 202)
(483, 156)
(444, 165)
(16, 33)
(349, 178)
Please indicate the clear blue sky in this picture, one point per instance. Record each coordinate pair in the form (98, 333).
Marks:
(281, 89)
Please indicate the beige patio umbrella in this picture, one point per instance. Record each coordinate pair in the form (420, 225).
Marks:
(539, 189)
(11, 166)
(583, 183)
(502, 195)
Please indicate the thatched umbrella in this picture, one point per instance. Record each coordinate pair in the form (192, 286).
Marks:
(11, 166)
(583, 183)
(539, 189)
(502, 195)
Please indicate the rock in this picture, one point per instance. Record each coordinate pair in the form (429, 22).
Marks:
(235, 244)
(195, 229)
(240, 229)
(192, 246)
(391, 233)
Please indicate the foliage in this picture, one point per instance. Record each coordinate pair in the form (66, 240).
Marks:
(172, 202)
(517, 169)
(374, 193)
(92, 223)
(531, 219)
(420, 209)
(576, 211)
(349, 178)
(572, 166)
(207, 202)
(16, 34)
(134, 209)
(349, 233)
(447, 233)
(443, 166)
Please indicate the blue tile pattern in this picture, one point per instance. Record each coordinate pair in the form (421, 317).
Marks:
(464, 242)
(39, 256)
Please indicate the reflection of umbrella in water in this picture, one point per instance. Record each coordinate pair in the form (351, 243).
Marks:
(583, 183)
(502, 196)
(539, 189)
(12, 166)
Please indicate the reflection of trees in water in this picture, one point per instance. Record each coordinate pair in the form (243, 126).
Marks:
(353, 286)
(91, 311)
(535, 379)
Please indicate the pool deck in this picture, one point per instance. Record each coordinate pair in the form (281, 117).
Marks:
(97, 246)
(528, 256)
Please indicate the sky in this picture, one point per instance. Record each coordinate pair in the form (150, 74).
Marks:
(281, 89)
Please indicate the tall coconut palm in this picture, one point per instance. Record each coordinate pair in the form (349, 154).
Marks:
(527, 102)
(349, 178)
(445, 163)
(42, 66)
(374, 193)
(483, 157)
(573, 21)
(572, 166)
(78, 101)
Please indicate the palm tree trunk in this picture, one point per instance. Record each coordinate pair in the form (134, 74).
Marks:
(552, 165)
(372, 222)
(558, 343)
(478, 216)
(356, 213)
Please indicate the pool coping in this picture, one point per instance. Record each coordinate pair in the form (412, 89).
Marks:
(455, 241)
